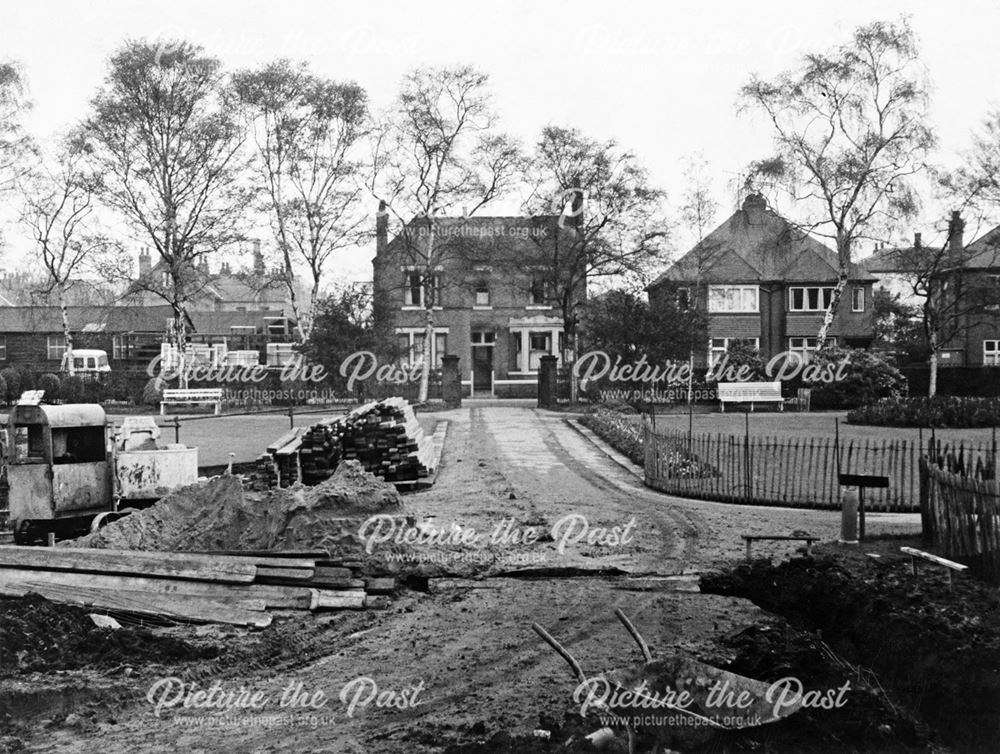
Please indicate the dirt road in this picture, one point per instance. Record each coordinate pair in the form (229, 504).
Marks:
(463, 663)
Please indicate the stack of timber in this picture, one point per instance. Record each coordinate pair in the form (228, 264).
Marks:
(384, 436)
(234, 588)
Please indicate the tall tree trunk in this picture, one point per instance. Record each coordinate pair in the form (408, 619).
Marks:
(843, 264)
(429, 301)
(932, 382)
(831, 310)
(67, 335)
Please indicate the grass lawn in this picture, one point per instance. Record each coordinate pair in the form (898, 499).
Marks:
(246, 436)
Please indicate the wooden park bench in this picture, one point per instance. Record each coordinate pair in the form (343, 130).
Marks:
(192, 397)
(807, 538)
(750, 392)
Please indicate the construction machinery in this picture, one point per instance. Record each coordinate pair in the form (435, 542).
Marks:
(67, 468)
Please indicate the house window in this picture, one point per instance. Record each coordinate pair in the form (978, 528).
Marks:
(991, 353)
(683, 299)
(482, 295)
(802, 347)
(810, 299)
(3, 348)
(857, 299)
(481, 337)
(56, 346)
(278, 354)
(719, 346)
(540, 292)
(411, 344)
(733, 298)
(415, 291)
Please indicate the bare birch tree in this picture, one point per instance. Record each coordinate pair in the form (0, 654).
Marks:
(164, 138)
(850, 132)
(308, 131)
(438, 151)
(58, 203)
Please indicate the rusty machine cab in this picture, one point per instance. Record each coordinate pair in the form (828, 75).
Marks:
(59, 464)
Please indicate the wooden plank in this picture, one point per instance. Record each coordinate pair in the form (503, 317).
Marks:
(262, 560)
(934, 558)
(265, 574)
(329, 600)
(381, 585)
(175, 607)
(168, 564)
(273, 596)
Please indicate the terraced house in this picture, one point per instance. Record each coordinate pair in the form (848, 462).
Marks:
(488, 288)
(765, 283)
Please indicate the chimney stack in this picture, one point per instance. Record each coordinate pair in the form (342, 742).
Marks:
(258, 257)
(956, 232)
(381, 229)
(145, 263)
(917, 242)
(754, 206)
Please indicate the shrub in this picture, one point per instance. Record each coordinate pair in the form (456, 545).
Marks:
(152, 393)
(118, 387)
(71, 389)
(93, 391)
(940, 411)
(12, 384)
(867, 378)
(621, 433)
(741, 355)
(50, 384)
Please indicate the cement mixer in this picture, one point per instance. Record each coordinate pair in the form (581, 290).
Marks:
(66, 468)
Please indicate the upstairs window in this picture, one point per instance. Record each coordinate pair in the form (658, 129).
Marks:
(733, 298)
(683, 299)
(541, 292)
(857, 299)
(416, 292)
(810, 299)
(56, 347)
(482, 294)
(991, 353)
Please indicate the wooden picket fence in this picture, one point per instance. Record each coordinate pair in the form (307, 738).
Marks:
(797, 472)
(960, 514)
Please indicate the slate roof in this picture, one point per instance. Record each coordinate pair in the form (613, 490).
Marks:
(121, 319)
(757, 245)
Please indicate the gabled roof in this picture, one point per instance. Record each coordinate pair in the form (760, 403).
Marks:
(984, 252)
(757, 245)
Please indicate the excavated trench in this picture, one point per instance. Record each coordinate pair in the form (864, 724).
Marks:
(935, 649)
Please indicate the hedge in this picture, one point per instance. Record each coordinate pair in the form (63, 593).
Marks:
(941, 411)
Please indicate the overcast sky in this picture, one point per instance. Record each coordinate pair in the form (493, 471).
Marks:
(659, 77)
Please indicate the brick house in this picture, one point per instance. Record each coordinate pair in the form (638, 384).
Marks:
(490, 297)
(765, 283)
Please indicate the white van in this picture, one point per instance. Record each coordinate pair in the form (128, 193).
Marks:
(87, 362)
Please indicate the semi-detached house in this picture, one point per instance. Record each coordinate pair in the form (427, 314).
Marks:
(766, 283)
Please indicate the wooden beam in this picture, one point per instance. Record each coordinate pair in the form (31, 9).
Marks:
(175, 607)
(266, 574)
(173, 565)
(287, 597)
(327, 600)
(934, 559)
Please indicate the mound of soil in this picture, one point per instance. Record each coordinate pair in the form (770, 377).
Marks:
(219, 515)
(38, 635)
(938, 650)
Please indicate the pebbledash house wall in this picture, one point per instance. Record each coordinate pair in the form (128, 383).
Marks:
(510, 311)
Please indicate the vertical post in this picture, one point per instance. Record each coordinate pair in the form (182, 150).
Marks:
(291, 416)
(690, 424)
(451, 381)
(861, 514)
(547, 381)
(52, 539)
(746, 456)
(177, 430)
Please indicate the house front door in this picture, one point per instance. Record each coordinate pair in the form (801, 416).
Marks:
(482, 362)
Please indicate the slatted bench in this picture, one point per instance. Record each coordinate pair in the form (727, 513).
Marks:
(807, 538)
(192, 397)
(750, 392)
(951, 565)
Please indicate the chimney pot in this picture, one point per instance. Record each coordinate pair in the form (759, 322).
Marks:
(956, 232)
(917, 241)
(381, 228)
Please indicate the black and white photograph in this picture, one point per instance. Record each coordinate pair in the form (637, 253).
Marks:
(504, 378)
